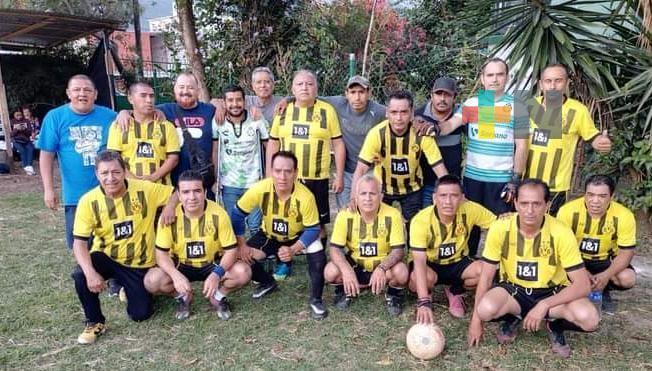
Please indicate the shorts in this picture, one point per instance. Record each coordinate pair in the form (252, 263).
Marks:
(528, 298)
(194, 274)
(319, 188)
(362, 275)
(410, 203)
(343, 198)
(268, 245)
(449, 274)
(599, 266)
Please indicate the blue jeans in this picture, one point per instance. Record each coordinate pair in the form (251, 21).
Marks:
(69, 211)
(343, 198)
(426, 193)
(230, 196)
(26, 151)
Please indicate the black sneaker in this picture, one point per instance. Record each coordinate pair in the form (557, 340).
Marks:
(609, 305)
(264, 289)
(558, 342)
(507, 330)
(223, 309)
(394, 305)
(341, 301)
(318, 309)
(113, 287)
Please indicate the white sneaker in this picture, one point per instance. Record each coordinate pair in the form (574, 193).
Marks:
(29, 170)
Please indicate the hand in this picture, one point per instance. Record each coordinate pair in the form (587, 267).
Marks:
(280, 107)
(123, 120)
(150, 178)
(421, 126)
(424, 315)
(602, 143)
(256, 113)
(599, 281)
(244, 254)
(350, 283)
(220, 110)
(95, 282)
(532, 321)
(352, 203)
(474, 334)
(159, 115)
(168, 215)
(285, 253)
(508, 192)
(51, 200)
(182, 285)
(377, 281)
(338, 184)
(211, 285)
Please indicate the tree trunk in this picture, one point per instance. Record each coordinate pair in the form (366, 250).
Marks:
(139, 46)
(189, 36)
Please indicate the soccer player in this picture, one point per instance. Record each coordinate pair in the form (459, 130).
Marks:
(541, 273)
(606, 233)
(438, 242)
(552, 152)
(367, 248)
(150, 148)
(198, 246)
(393, 149)
(119, 214)
(290, 227)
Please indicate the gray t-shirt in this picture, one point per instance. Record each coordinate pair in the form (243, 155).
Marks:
(268, 109)
(355, 126)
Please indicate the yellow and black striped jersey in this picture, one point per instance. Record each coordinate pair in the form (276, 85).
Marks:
(447, 244)
(282, 220)
(307, 132)
(145, 146)
(122, 228)
(197, 242)
(368, 244)
(551, 159)
(395, 159)
(600, 239)
(538, 262)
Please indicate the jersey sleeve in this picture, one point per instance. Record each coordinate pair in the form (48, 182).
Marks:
(564, 215)
(431, 151)
(396, 234)
(164, 237)
(262, 129)
(172, 138)
(419, 233)
(226, 234)
(370, 148)
(483, 218)
(48, 139)
(494, 242)
(161, 194)
(309, 211)
(338, 235)
(586, 126)
(84, 221)
(114, 142)
(250, 199)
(274, 131)
(334, 124)
(626, 232)
(568, 253)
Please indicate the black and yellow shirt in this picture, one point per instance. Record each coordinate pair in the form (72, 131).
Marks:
(122, 228)
(282, 220)
(395, 159)
(307, 132)
(600, 239)
(447, 244)
(145, 146)
(551, 159)
(197, 242)
(538, 262)
(368, 244)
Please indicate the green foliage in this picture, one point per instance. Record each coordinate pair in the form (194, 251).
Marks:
(113, 9)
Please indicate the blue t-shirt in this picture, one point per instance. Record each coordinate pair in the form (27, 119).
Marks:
(76, 139)
(199, 122)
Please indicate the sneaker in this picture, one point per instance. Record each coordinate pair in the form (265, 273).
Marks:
(558, 342)
(318, 309)
(113, 287)
(456, 305)
(609, 306)
(282, 271)
(29, 170)
(341, 301)
(222, 308)
(394, 305)
(122, 295)
(91, 332)
(264, 289)
(507, 330)
(183, 308)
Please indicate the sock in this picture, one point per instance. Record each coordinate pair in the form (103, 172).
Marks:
(339, 289)
(505, 318)
(457, 289)
(316, 263)
(560, 325)
(259, 274)
(324, 242)
(394, 291)
(219, 296)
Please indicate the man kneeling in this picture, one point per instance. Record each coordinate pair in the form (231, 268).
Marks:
(366, 249)
(199, 246)
(536, 255)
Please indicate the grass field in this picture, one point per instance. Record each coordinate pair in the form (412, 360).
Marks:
(40, 319)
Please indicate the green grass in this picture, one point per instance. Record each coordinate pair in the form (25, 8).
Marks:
(40, 319)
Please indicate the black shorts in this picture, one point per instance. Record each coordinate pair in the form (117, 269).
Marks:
(449, 274)
(194, 274)
(528, 298)
(599, 266)
(268, 245)
(319, 188)
(362, 275)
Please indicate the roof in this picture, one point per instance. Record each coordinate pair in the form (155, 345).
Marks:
(21, 28)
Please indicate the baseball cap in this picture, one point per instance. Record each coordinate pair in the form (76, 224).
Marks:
(358, 80)
(445, 83)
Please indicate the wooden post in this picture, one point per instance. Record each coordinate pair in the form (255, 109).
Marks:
(4, 117)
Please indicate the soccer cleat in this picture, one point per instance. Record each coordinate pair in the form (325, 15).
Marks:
(91, 333)
(222, 308)
(507, 330)
(394, 305)
(609, 305)
(282, 271)
(183, 308)
(264, 289)
(113, 287)
(558, 342)
(340, 300)
(456, 306)
(318, 309)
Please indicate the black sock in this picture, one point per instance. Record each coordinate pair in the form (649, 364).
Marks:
(259, 274)
(324, 241)
(395, 291)
(560, 325)
(505, 318)
(316, 263)
(457, 289)
(339, 289)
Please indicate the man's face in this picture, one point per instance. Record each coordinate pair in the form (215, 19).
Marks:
(191, 195)
(262, 84)
(368, 196)
(283, 173)
(18, 115)
(82, 95)
(142, 99)
(111, 177)
(597, 199)
(358, 97)
(27, 113)
(399, 114)
(234, 102)
(186, 91)
(448, 199)
(494, 77)
(531, 205)
(442, 101)
(304, 88)
(554, 78)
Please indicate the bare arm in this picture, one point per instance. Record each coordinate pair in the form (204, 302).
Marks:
(340, 159)
(420, 274)
(440, 170)
(46, 164)
(273, 146)
(94, 281)
(484, 283)
(229, 258)
(171, 161)
(520, 155)
(395, 256)
(450, 125)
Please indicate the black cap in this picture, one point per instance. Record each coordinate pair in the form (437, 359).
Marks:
(446, 84)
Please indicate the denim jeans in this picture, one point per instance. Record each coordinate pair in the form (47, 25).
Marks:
(343, 198)
(230, 196)
(26, 151)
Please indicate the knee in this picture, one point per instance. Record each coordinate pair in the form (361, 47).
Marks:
(78, 275)
(487, 309)
(241, 273)
(332, 273)
(140, 314)
(587, 317)
(626, 279)
(153, 280)
(399, 274)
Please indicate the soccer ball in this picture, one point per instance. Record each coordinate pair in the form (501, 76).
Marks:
(425, 341)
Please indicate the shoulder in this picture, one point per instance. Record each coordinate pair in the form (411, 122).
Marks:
(206, 107)
(558, 229)
(90, 196)
(573, 205)
(387, 210)
(322, 104)
(622, 210)
(424, 214)
(213, 208)
(503, 224)
(576, 105)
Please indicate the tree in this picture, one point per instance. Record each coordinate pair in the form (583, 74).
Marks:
(191, 46)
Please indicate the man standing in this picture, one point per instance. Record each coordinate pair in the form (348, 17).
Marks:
(553, 143)
(367, 248)
(606, 234)
(119, 214)
(198, 246)
(290, 227)
(541, 275)
(150, 148)
(262, 82)
(393, 149)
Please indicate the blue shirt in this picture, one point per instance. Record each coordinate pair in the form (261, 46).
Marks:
(76, 139)
(199, 122)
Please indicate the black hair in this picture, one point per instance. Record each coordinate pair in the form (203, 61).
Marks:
(108, 156)
(601, 179)
(233, 89)
(286, 154)
(191, 175)
(448, 179)
(136, 84)
(535, 183)
(401, 95)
